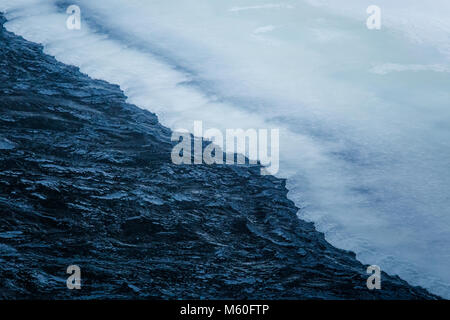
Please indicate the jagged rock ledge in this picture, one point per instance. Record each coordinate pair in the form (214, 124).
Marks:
(86, 179)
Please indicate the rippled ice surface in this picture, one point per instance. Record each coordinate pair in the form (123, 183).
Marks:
(364, 115)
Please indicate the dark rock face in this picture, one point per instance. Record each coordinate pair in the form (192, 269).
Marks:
(86, 179)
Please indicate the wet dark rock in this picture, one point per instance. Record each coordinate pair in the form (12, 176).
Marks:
(86, 179)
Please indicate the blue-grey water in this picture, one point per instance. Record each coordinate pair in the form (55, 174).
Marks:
(364, 114)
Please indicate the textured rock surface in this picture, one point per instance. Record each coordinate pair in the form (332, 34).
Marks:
(86, 179)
